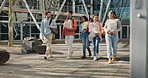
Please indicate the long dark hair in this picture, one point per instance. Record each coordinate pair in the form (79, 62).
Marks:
(85, 18)
(114, 14)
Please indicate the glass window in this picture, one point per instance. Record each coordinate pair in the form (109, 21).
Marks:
(35, 35)
(16, 31)
(124, 32)
(26, 30)
(3, 36)
(34, 29)
(3, 28)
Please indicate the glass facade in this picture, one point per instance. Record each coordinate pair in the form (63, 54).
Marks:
(122, 8)
(24, 26)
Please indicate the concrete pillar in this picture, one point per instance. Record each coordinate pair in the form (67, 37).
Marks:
(139, 38)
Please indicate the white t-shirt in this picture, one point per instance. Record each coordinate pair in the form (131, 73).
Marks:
(94, 27)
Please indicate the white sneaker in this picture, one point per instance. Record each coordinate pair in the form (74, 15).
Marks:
(68, 57)
(98, 57)
(50, 56)
(45, 58)
(95, 58)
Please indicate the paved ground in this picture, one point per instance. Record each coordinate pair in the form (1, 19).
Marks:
(34, 66)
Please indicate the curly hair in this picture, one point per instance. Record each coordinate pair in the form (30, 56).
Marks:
(47, 12)
(86, 19)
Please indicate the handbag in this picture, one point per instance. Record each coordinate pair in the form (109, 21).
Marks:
(103, 31)
(53, 31)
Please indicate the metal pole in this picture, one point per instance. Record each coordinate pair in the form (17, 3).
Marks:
(2, 5)
(85, 9)
(31, 14)
(73, 1)
(21, 24)
(10, 23)
(91, 11)
(59, 11)
(43, 9)
(54, 7)
(60, 31)
(101, 8)
(106, 11)
(15, 30)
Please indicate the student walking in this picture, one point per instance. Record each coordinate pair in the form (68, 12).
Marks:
(112, 27)
(95, 29)
(46, 25)
(84, 36)
(70, 25)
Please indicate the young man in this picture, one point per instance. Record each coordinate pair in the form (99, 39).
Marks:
(46, 25)
(70, 25)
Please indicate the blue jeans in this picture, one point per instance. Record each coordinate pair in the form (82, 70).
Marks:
(95, 42)
(85, 41)
(111, 43)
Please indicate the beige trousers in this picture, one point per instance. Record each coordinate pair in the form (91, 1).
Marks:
(48, 46)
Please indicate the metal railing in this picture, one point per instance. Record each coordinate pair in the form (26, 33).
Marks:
(32, 31)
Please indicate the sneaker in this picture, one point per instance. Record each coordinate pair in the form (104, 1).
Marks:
(50, 56)
(114, 58)
(71, 52)
(45, 57)
(90, 54)
(110, 61)
(68, 57)
(98, 57)
(95, 58)
(83, 57)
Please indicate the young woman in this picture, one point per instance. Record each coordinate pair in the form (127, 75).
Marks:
(84, 35)
(112, 27)
(95, 29)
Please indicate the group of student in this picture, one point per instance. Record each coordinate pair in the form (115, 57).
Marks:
(91, 30)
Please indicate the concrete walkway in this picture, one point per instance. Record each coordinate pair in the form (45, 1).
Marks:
(34, 66)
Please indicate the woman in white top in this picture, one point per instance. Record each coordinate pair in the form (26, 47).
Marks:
(112, 27)
(95, 34)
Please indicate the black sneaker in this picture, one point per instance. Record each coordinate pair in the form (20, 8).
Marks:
(90, 54)
(83, 57)
(45, 57)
